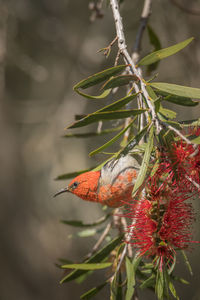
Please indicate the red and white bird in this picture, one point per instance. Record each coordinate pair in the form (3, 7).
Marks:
(111, 185)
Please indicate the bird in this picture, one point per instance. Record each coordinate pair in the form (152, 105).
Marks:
(112, 185)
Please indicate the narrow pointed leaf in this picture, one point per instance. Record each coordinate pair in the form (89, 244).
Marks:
(114, 139)
(107, 115)
(101, 96)
(196, 140)
(173, 290)
(92, 134)
(134, 141)
(149, 282)
(130, 271)
(183, 101)
(96, 258)
(187, 263)
(118, 104)
(89, 294)
(166, 113)
(160, 284)
(88, 266)
(81, 224)
(72, 175)
(103, 163)
(116, 288)
(178, 90)
(189, 123)
(119, 81)
(179, 279)
(87, 232)
(145, 163)
(111, 107)
(99, 77)
(163, 53)
(151, 93)
(174, 124)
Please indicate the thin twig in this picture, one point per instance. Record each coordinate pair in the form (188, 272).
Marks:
(193, 182)
(181, 135)
(146, 12)
(100, 240)
(124, 223)
(133, 70)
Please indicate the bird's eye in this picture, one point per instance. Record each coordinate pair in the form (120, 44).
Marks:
(75, 184)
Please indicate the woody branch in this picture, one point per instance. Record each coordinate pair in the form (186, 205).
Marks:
(133, 70)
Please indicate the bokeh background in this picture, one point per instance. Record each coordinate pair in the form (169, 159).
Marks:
(46, 47)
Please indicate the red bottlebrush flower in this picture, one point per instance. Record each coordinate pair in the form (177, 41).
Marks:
(182, 163)
(162, 221)
(186, 160)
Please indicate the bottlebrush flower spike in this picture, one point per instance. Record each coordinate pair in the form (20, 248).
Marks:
(182, 164)
(186, 159)
(162, 222)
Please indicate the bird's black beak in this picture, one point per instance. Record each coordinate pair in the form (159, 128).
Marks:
(61, 191)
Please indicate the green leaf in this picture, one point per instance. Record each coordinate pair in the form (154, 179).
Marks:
(166, 138)
(114, 139)
(73, 174)
(173, 290)
(187, 263)
(151, 93)
(130, 275)
(81, 224)
(87, 232)
(134, 141)
(96, 258)
(130, 278)
(166, 113)
(131, 268)
(87, 266)
(163, 53)
(116, 288)
(118, 104)
(145, 163)
(111, 107)
(196, 140)
(83, 277)
(174, 124)
(183, 101)
(189, 123)
(103, 163)
(91, 134)
(93, 291)
(99, 77)
(119, 81)
(178, 90)
(149, 282)
(179, 279)
(155, 168)
(107, 115)
(101, 96)
(160, 284)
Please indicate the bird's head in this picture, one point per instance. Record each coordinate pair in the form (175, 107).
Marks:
(84, 186)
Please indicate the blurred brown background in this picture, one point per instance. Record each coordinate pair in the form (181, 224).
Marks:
(47, 46)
